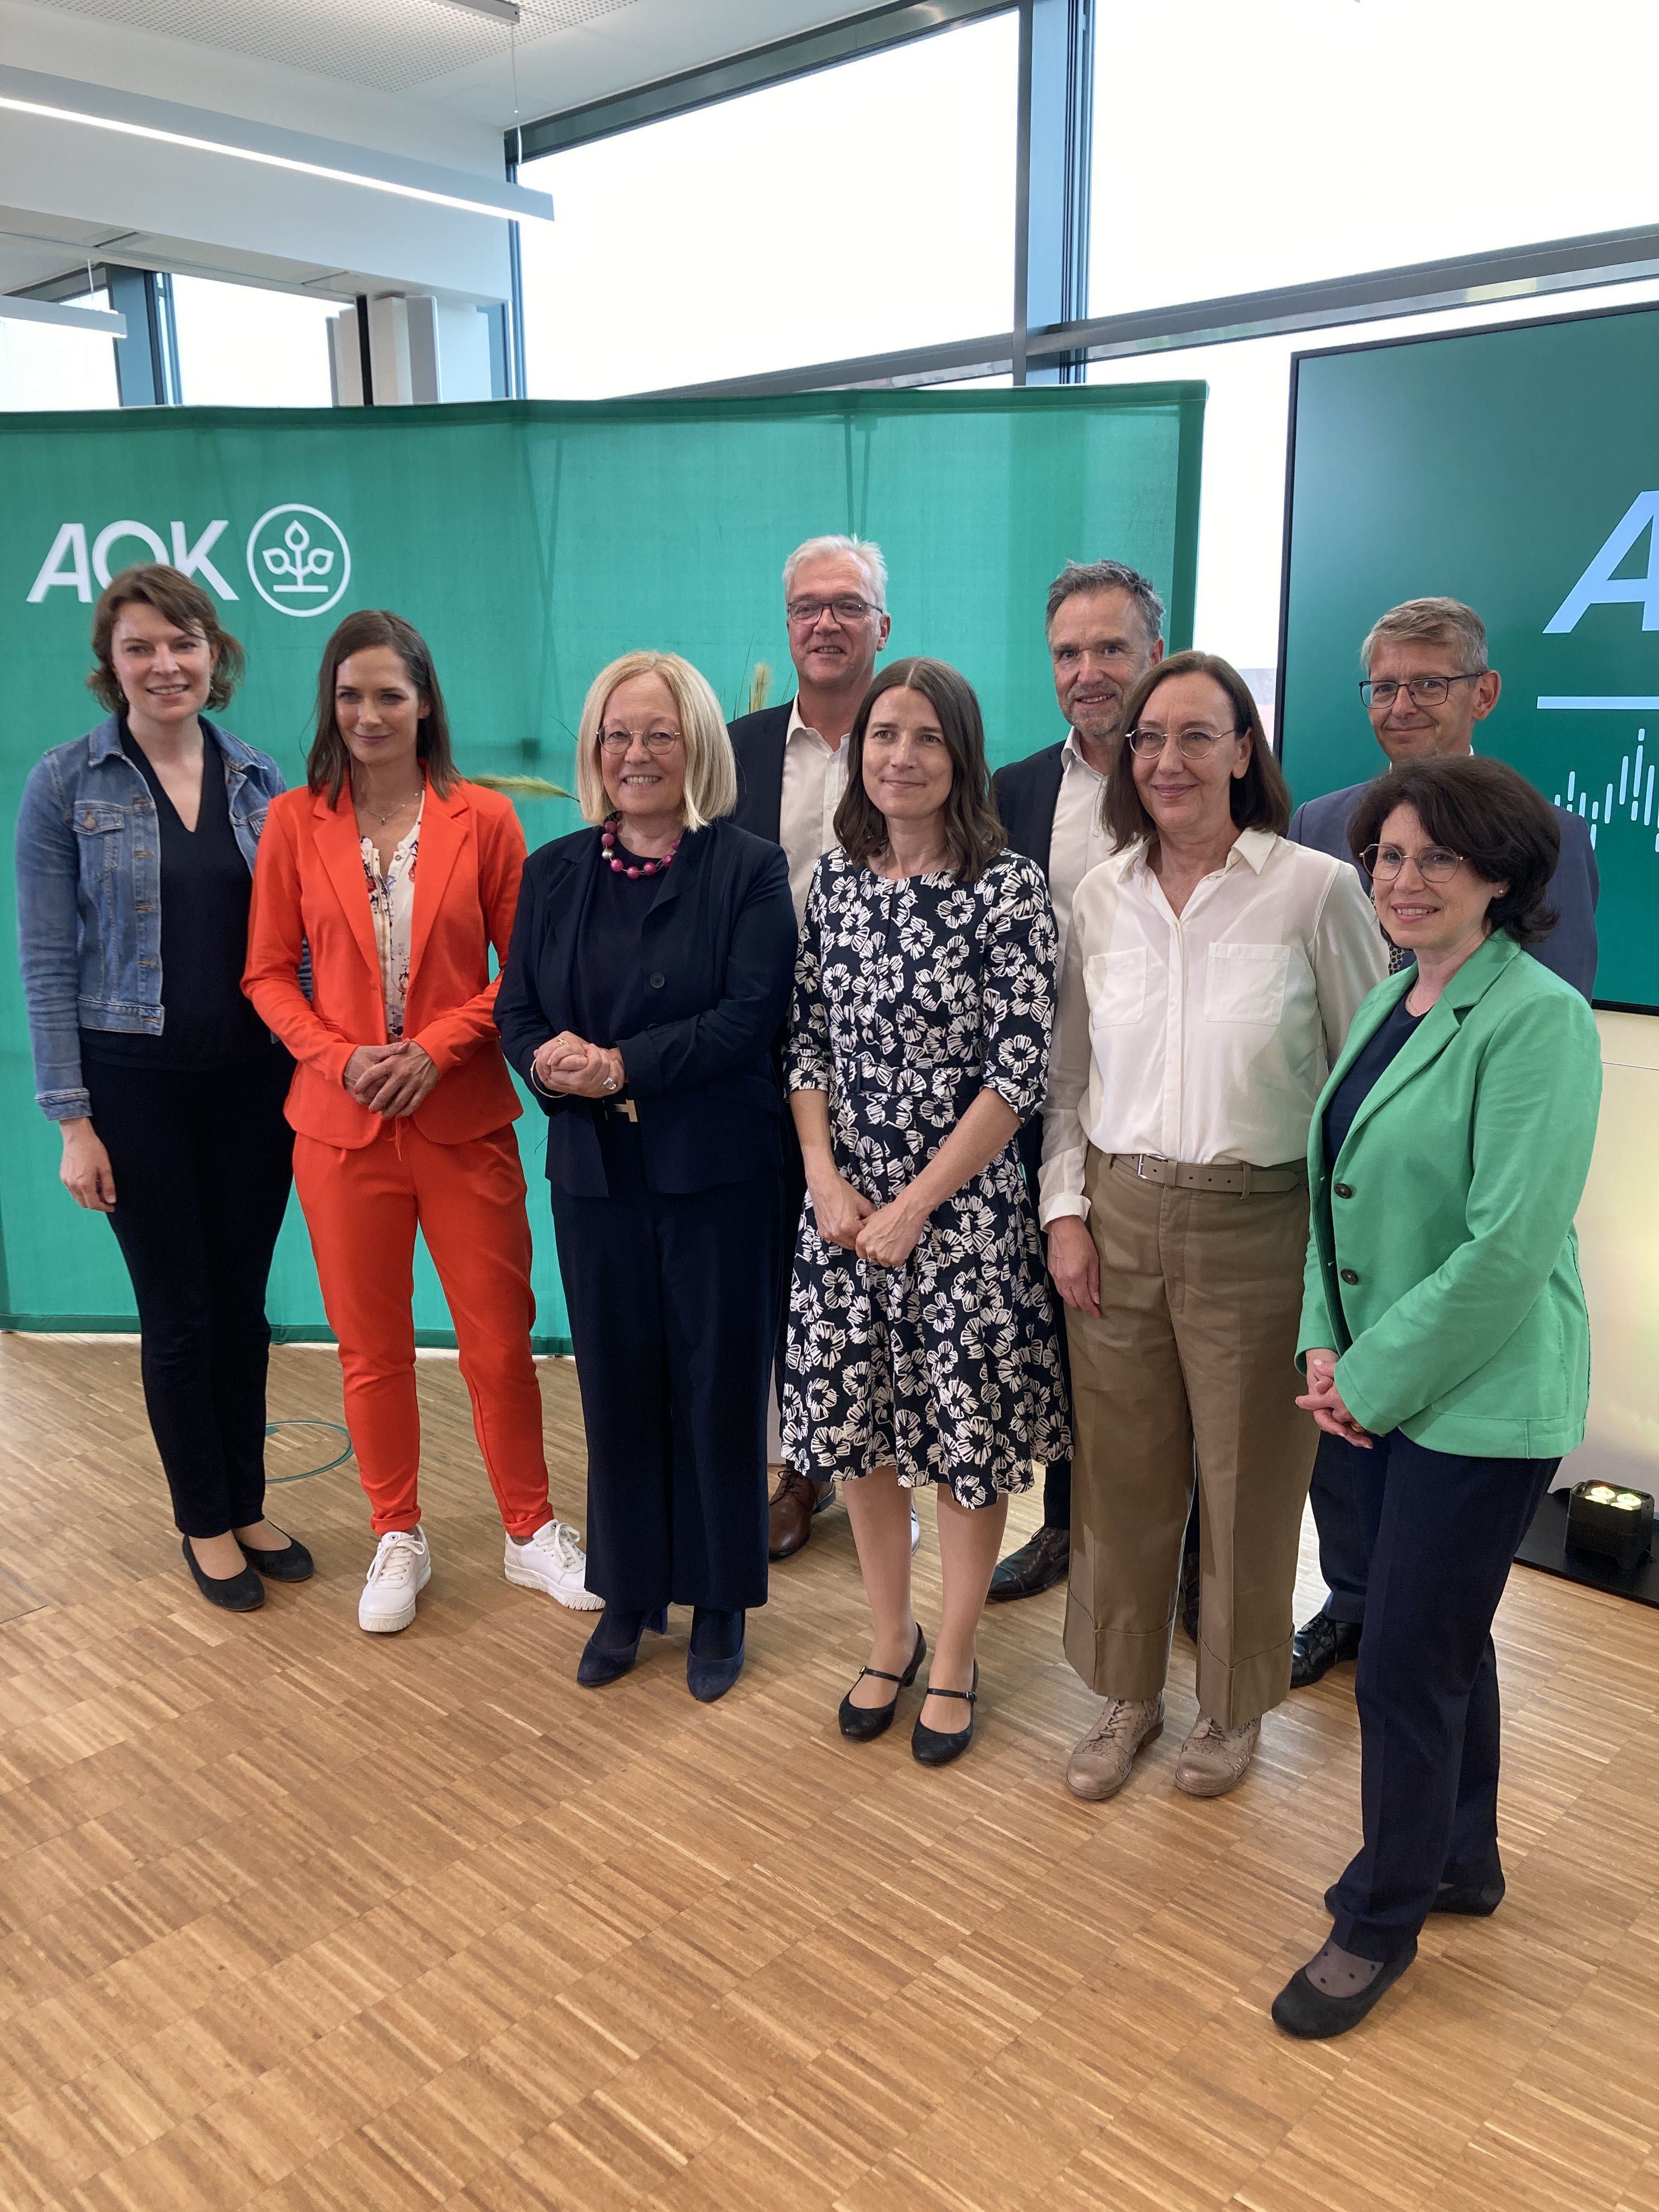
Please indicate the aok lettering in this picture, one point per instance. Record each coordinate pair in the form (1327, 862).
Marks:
(72, 565)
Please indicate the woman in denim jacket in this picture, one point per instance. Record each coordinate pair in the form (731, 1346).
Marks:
(135, 860)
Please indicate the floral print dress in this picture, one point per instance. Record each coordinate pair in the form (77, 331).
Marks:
(910, 999)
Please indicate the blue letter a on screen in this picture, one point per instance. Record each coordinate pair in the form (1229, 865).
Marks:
(1599, 587)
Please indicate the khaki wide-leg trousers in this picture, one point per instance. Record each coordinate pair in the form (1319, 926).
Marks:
(1200, 1298)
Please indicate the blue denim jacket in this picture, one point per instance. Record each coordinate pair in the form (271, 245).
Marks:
(89, 896)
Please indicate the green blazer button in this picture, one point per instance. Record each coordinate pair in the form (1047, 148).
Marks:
(1343, 1190)
(1348, 1275)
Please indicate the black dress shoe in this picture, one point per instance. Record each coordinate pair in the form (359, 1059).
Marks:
(714, 1660)
(243, 1593)
(864, 1723)
(1474, 1899)
(937, 1747)
(1300, 2009)
(292, 1564)
(1037, 1565)
(611, 1649)
(1319, 1645)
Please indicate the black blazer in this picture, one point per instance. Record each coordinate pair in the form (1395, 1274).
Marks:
(719, 948)
(1024, 794)
(758, 741)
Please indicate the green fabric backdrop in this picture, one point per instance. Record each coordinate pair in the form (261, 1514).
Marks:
(531, 543)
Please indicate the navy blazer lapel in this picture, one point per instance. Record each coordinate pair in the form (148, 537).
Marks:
(566, 901)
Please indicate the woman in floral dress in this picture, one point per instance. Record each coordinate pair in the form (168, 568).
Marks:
(921, 1338)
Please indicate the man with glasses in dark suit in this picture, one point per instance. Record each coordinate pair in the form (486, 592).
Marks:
(1105, 629)
(1427, 683)
(792, 772)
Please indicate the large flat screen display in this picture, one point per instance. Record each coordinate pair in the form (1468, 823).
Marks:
(1517, 469)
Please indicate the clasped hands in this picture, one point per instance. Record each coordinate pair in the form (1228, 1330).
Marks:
(392, 1080)
(569, 1065)
(886, 1236)
(1324, 1401)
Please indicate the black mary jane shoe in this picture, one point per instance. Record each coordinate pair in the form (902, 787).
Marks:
(864, 1723)
(611, 1649)
(243, 1593)
(1300, 2009)
(934, 1747)
(292, 1564)
(713, 1658)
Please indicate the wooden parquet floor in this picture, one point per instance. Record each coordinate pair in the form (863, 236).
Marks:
(297, 1920)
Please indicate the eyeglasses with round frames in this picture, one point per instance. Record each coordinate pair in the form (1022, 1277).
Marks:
(1425, 691)
(1383, 863)
(655, 741)
(805, 613)
(1193, 744)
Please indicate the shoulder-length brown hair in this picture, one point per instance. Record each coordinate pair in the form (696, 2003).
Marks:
(1259, 798)
(328, 765)
(183, 602)
(973, 835)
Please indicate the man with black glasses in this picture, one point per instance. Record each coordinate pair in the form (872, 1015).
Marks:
(792, 772)
(1427, 685)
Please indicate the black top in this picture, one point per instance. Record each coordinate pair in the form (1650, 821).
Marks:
(206, 887)
(1374, 1055)
(611, 988)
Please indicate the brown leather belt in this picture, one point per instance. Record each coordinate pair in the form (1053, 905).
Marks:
(1235, 1178)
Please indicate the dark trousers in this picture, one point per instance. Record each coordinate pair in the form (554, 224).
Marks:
(201, 1165)
(1336, 1517)
(1440, 1530)
(673, 1315)
(1057, 1475)
(794, 1200)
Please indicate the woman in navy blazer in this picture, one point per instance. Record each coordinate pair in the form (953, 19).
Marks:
(649, 969)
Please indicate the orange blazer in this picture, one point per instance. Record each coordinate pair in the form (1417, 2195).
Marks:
(309, 889)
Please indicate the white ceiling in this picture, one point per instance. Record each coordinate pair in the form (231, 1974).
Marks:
(564, 52)
(393, 45)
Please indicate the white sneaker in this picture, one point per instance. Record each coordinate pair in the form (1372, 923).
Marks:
(552, 1560)
(915, 1529)
(398, 1572)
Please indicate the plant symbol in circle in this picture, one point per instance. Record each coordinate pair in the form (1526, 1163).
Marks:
(295, 566)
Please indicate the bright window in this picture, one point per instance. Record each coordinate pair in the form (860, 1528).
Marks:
(45, 365)
(857, 210)
(1298, 139)
(242, 347)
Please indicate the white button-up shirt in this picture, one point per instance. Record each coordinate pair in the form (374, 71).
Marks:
(1080, 840)
(814, 778)
(1204, 1036)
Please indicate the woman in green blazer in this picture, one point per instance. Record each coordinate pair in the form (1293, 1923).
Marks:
(1443, 1334)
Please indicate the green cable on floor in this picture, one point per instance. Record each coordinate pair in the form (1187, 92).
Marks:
(273, 1428)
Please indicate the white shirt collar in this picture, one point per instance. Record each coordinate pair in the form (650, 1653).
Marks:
(1072, 752)
(1252, 848)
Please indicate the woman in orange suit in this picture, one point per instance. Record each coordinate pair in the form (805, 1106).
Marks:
(399, 877)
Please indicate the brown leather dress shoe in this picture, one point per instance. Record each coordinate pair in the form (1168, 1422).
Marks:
(790, 1509)
(1038, 1564)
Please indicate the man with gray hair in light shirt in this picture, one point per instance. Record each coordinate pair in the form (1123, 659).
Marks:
(791, 773)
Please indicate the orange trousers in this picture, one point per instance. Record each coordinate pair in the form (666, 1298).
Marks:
(363, 1208)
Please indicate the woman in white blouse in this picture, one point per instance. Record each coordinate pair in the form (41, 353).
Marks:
(1212, 970)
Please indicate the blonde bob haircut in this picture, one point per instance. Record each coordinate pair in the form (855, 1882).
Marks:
(711, 768)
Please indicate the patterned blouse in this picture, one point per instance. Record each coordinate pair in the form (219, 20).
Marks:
(392, 904)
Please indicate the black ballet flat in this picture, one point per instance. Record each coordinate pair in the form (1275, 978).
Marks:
(864, 1723)
(1300, 2009)
(243, 1593)
(608, 1658)
(292, 1564)
(710, 1673)
(933, 1746)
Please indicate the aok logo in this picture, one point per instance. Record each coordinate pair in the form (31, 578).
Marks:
(297, 559)
(1601, 586)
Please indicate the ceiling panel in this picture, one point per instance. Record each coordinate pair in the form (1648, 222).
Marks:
(393, 45)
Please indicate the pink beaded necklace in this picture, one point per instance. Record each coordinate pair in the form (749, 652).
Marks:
(608, 830)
